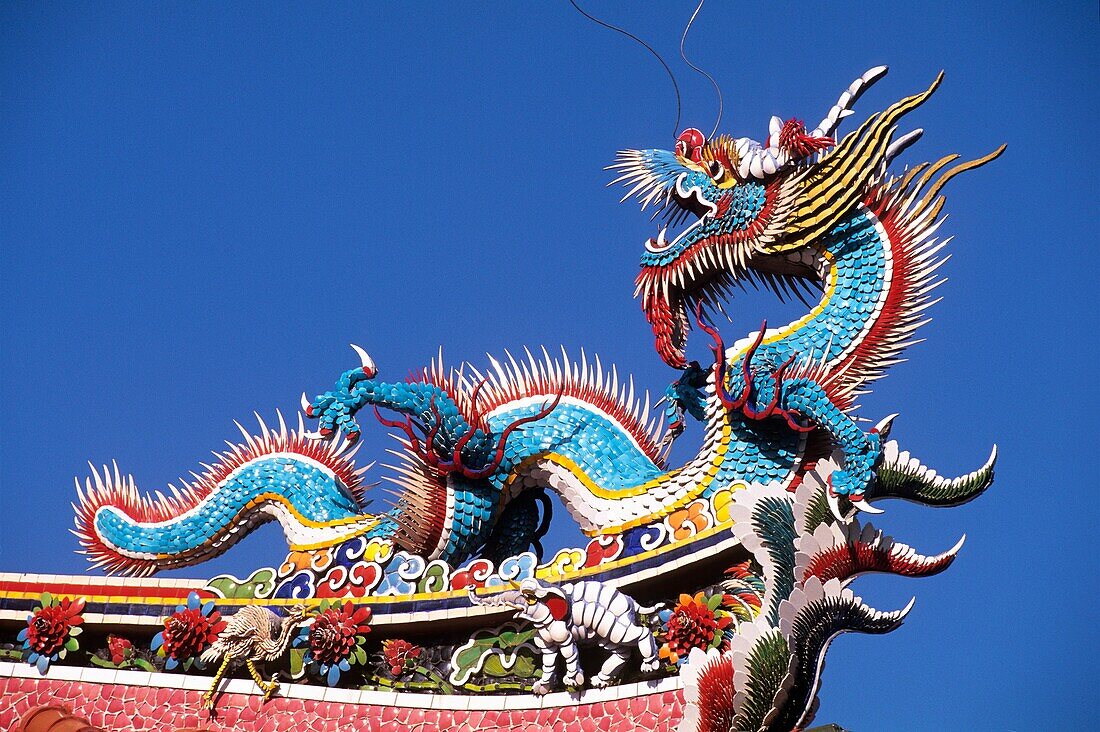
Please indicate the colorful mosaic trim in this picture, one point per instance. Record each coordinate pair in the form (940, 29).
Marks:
(364, 567)
(143, 602)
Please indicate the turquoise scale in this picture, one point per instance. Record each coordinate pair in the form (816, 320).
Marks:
(599, 447)
(471, 524)
(860, 260)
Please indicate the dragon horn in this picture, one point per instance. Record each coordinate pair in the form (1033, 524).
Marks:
(851, 95)
(898, 146)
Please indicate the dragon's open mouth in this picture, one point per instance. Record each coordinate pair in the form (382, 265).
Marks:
(706, 279)
(707, 244)
(701, 265)
(674, 287)
(680, 204)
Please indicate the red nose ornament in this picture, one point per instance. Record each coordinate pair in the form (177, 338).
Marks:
(690, 144)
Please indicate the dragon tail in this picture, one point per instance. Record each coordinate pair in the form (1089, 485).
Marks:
(312, 488)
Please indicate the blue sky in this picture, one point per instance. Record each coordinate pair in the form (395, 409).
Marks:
(203, 204)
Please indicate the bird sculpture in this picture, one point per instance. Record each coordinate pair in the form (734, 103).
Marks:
(252, 634)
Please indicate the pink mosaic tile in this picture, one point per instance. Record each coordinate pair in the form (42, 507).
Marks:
(118, 707)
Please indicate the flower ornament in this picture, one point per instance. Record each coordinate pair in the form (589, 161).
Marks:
(335, 640)
(51, 630)
(121, 649)
(696, 622)
(188, 632)
(689, 521)
(401, 656)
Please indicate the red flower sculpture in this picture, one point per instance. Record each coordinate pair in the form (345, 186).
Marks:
(120, 648)
(188, 632)
(335, 640)
(332, 637)
(50, 626)
(51, 630)
(400, 655)
(697, 622)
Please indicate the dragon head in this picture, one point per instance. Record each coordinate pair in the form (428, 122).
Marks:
(699, 181)
(742, 200)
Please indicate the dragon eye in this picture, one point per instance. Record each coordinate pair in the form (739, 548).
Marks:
(716, 170)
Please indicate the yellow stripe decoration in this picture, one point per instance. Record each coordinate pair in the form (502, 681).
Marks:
(599, 491)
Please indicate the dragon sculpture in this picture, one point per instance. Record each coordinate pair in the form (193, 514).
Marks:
(773, 404)
(801, 213)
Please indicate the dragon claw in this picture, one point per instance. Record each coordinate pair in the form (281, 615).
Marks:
(864, 505)
(834, 504)
(685, 396)
(335, 410)
(369, 369)
(852, 481)
(882, 429)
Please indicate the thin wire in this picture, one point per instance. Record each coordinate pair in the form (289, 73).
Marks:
(683, 39)
(628, 34)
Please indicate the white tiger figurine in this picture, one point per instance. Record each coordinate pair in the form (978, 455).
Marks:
(579, 612)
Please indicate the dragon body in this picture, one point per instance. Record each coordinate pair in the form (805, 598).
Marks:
(783, 468)
(796, 212)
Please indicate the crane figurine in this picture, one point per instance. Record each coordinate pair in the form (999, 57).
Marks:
(253, 634)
